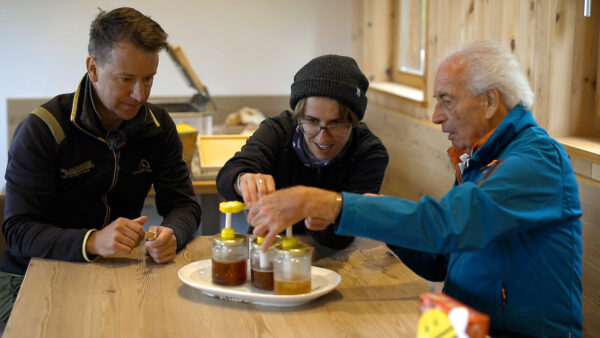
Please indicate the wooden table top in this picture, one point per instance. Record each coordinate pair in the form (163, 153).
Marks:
(133, 297)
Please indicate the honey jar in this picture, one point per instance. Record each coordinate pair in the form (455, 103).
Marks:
(292, 267)
(261, 264)
(229, 258)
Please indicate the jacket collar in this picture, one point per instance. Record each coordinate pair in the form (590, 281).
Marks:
(517, 120)
(85, 116)
(487, 148)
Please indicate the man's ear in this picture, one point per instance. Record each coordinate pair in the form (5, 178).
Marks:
(92, 68)
(491, 102)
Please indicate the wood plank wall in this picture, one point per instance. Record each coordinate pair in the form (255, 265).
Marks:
(554, 45)
(543, 34)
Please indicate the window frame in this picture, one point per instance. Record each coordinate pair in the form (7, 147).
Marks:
(398, 76)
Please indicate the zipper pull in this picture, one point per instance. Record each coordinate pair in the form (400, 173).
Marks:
(503, 296)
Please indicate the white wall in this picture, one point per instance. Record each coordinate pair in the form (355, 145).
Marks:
(236, 47)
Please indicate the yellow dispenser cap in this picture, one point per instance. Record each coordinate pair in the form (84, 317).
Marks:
(260, 240)
(227, 233)
(288, 243)
(231, 207)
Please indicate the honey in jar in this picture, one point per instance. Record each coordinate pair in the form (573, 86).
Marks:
(261, 264)
(262, 279)
(229, 273)
(294, 287)
(292, 267)
(229, 257)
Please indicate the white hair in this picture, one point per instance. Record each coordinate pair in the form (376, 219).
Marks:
(489, 65)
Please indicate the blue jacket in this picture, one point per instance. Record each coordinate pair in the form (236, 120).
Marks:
(511, 230)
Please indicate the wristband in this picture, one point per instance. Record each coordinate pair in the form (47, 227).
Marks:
(83, 251)
(338, 204)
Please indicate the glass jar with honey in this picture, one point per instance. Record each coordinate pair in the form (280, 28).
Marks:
(229, 258)
(261, 264)
(292, 267)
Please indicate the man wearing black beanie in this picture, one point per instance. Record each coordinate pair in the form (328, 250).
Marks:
(322, 143)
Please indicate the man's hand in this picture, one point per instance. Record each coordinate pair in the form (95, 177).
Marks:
(255, 186)
(120, 236)
(316, 224)
(162, 249)
(286, 207)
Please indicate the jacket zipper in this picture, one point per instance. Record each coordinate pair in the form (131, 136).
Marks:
(504, 298)
(116, 156)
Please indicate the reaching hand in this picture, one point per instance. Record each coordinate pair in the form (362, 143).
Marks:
(120, 236)
(255, 186)
(163, 248)
(285, 207)
(316, 224)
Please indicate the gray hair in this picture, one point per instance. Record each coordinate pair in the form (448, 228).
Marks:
(489, 65)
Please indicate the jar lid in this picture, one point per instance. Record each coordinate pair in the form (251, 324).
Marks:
(258, 241)
(228, 240)
(292, 246)
(230, 207)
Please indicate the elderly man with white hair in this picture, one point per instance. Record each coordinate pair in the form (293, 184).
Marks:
(506, 239)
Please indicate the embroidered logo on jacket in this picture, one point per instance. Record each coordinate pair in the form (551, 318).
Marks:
(76, 171)
(144, 167)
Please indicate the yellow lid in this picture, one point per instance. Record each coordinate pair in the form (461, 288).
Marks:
(289, 243)
(231, 207)
(228, 237)
(257, 242)
(227, 233)
(293, 246)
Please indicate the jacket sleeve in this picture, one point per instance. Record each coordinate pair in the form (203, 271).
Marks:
(258, 155)
(175, 198)
(30, 190)
(470, 215)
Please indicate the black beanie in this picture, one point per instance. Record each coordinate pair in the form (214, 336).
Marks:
(334, 76)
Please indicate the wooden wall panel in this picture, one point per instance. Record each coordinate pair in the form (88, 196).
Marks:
(525, 48)
(418, 164)
(589, 192)
(562, 41)
(371, 38)
(584, 72)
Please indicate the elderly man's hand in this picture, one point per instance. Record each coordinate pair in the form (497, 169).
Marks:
(163, 248)
(286, 207)
(316, 224)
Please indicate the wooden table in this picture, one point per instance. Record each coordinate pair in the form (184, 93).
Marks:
(131, 297)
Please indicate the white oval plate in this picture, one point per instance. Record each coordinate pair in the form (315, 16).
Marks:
(199, 275)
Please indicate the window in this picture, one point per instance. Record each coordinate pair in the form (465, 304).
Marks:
(410, 34)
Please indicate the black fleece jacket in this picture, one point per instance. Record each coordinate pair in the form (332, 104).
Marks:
(63, 179)
(269, 151)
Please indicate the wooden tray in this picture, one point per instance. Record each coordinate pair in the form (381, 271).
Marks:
(215, 150)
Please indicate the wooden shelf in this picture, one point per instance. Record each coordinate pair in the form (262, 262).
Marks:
(585, 148)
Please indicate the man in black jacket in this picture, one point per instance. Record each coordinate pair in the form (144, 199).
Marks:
(81, 165)
(321, 144)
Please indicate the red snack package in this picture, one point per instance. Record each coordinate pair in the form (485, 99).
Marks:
(478, 324)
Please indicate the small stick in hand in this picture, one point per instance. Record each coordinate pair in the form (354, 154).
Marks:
(150, 236)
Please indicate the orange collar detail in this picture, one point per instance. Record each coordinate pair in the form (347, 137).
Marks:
(455, 154)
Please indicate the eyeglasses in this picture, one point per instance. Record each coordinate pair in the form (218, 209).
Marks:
(313, 128)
